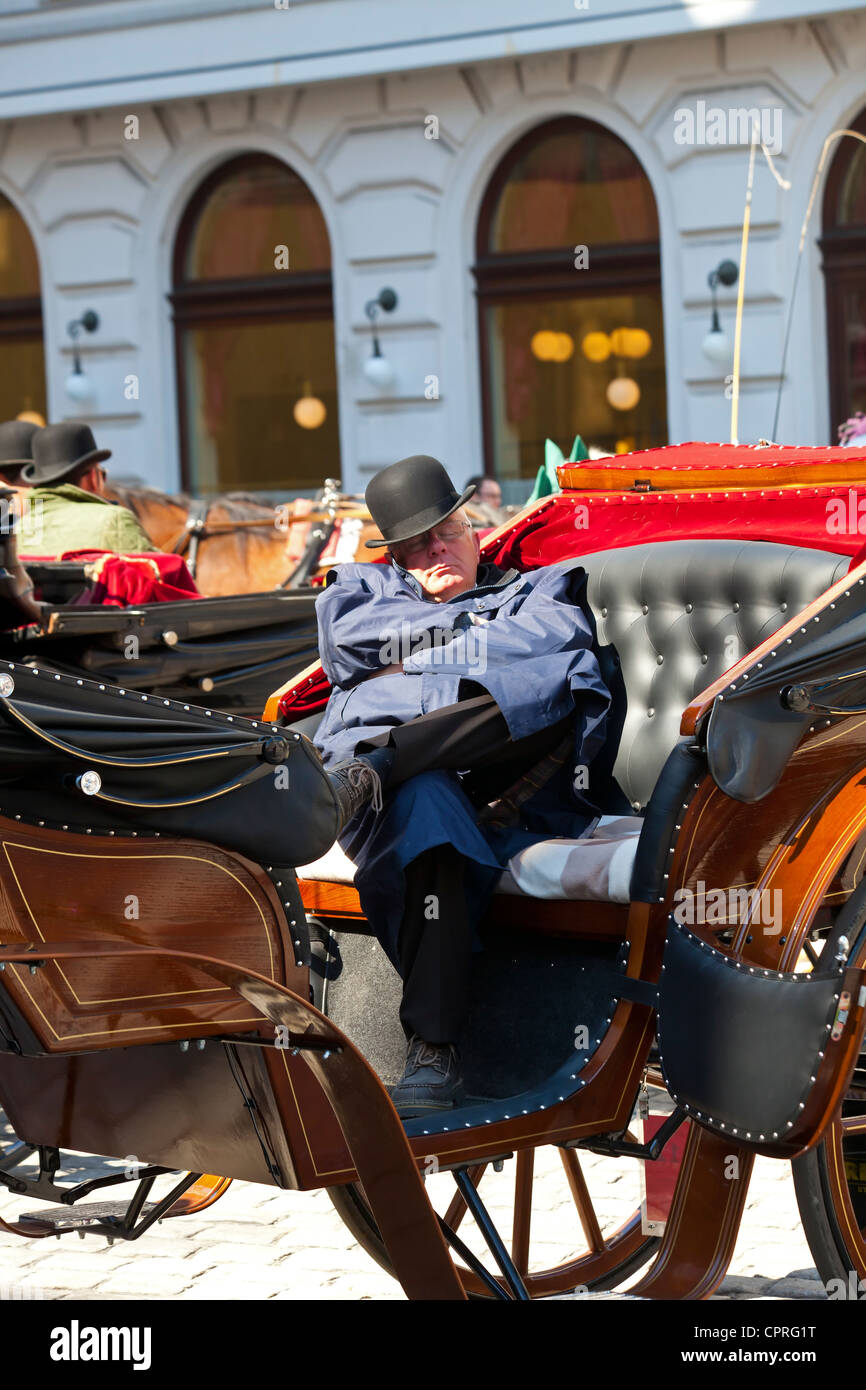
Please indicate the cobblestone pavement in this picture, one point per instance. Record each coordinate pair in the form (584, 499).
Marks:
(257, 1243)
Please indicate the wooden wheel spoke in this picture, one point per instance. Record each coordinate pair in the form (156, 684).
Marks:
(582, 1200)
(853, 1124)
(457, 1210)
(523, 1179)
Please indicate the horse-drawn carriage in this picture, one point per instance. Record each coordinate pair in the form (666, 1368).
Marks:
(187, 976)
(253, 570)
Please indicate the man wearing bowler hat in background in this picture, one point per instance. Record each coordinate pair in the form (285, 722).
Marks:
(464, 696)
(15, 453)
(66, 509)
(16, 449)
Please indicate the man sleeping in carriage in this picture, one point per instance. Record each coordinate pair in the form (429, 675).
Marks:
(467, 721)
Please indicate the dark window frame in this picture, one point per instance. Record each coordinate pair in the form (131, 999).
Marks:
(843, 261)
(503, 277)
(234, 302)
(21, 317)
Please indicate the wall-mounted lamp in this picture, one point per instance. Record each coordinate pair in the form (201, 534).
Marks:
(377, 369)
(78, 386)
(717, 346)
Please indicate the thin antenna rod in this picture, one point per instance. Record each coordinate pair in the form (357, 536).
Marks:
(744, 248)
(741, 293)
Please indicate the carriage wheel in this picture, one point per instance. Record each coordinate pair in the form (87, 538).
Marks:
(830, 1183)
(602, 1246)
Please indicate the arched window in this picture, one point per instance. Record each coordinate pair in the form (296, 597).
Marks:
(568, 254)
(22, 358)
(254, 331)
(843, 248)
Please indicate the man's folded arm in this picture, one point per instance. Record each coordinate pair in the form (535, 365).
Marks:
(527, 660)
(362, 632)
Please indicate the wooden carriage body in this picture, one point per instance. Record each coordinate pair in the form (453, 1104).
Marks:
(157, 1034)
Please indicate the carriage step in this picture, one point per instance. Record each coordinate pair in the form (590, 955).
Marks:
(55, 1222)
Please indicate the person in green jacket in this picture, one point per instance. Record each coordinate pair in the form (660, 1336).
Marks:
(61, 498)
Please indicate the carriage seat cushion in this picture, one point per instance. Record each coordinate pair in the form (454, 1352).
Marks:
(596, 868)
(679, 614)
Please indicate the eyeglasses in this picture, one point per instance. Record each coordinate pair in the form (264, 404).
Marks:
(419, 545)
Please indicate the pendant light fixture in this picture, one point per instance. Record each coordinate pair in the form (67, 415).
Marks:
(309, 411)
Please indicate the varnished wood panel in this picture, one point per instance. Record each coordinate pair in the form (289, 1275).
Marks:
(60, 886)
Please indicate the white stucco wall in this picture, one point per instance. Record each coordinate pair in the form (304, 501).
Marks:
(401, 211)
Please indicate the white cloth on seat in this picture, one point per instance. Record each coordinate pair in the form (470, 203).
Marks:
(595, 868)
(333, 867)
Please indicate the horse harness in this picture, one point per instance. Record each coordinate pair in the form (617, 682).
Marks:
(196, 529)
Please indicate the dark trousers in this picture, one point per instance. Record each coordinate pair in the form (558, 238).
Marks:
(435, 939)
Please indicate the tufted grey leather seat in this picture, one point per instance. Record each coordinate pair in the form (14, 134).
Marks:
(679, 614)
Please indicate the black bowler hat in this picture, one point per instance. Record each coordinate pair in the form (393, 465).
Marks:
(58, 450)
(409, 497)
(16, 447)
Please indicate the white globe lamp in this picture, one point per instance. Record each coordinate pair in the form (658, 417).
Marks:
(717, 346)
(79, 388)
(378, 371)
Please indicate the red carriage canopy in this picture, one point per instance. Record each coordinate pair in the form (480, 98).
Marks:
(800, 496)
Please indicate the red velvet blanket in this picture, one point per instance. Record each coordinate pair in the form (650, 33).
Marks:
(125, 581)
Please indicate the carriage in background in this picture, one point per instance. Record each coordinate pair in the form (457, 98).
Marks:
(240, 1025)
(251, 569)
(257, 569)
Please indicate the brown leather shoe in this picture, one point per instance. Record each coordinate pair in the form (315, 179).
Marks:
(431, 1080)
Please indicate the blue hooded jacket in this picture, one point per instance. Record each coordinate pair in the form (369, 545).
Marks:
(525, 639)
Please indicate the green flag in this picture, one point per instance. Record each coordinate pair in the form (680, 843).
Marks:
(546, 482)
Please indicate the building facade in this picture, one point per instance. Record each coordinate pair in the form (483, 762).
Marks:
(230, 193)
